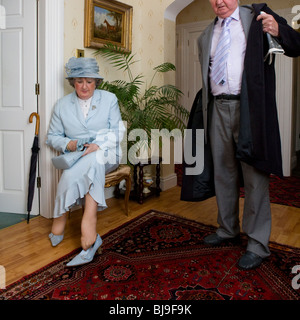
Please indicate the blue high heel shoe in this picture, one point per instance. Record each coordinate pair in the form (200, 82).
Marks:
(55, 240)
(86, 256)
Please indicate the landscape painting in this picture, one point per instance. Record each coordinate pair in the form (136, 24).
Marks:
(107, 22)
(108, 25)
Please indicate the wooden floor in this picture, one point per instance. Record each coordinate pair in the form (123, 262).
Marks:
(24, 248)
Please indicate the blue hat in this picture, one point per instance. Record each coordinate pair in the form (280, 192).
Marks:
(82, 68)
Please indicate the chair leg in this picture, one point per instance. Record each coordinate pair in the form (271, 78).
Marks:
(117, 191)
(127, 193)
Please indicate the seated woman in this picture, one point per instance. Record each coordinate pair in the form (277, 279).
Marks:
(87, 118)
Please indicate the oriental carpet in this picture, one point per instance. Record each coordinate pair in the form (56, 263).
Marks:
(160, 256)
(285, 191)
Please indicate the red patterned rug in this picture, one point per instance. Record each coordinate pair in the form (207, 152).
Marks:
(159, 256)
(284, 191)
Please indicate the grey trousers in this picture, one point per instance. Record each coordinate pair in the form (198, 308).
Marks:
(256, 223)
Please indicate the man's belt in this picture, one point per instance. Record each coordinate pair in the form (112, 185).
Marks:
(228, 97)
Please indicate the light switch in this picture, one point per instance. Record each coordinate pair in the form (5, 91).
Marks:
(79, 53)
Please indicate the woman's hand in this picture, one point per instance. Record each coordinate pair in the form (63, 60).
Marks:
(72, 145)
(90, 147)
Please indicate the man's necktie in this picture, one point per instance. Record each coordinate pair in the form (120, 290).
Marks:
(218, 71)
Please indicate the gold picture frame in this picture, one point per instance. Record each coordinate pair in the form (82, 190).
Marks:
(107, 22)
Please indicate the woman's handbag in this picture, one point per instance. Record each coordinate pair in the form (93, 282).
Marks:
(66, 160)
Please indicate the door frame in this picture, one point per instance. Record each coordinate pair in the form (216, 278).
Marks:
(51, 80)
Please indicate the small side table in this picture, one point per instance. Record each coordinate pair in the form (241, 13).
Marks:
(139, 181)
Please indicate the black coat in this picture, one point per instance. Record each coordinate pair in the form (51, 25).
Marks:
(198, 187)
(259, 142)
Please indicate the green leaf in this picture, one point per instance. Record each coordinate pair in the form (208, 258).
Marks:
(165, 67)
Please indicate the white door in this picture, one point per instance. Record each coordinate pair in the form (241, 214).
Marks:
(189, 78)
(17, 101)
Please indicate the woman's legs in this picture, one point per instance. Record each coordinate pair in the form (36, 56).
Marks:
(89, 223)
(58, 225)
(90, 240)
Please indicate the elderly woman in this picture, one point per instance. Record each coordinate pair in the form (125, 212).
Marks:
(87, 119)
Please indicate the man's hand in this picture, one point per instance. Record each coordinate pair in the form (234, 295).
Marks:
(270, 25)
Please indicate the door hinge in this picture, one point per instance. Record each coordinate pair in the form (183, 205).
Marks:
(38, 182)
(37, 89)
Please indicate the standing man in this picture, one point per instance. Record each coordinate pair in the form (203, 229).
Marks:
(240, 118)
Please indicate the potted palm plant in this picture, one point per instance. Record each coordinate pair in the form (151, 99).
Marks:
(144, 106)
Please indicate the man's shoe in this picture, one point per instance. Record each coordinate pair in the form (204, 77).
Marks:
(214, 239)
(249, 261)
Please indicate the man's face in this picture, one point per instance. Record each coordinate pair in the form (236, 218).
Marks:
(224, 8)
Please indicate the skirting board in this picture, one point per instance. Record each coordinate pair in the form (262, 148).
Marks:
(109, 192)
(168, 182)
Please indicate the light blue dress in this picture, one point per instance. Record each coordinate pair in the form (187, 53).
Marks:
(102, 126)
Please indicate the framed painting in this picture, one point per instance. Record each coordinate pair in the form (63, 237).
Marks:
(107, 22)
